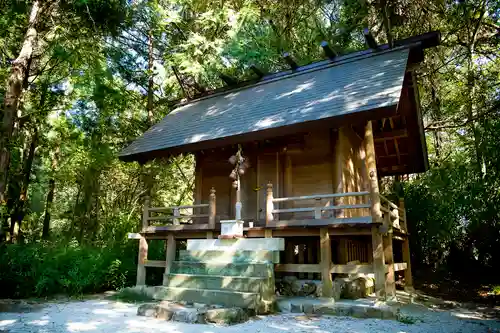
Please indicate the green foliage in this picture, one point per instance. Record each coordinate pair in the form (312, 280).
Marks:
(45, 269)
(98, 63)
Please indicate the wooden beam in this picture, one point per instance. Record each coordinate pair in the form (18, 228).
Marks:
(170, 257)
(400, 266)
(369, 40)
(155, 263)
(289, 60)
(326, 262)
(230, 81)
(382, 136)
(297, 268)
(321, 222)
(352, 269)
(181, 227)
(329, 52)
(257, 71)
(142, 259)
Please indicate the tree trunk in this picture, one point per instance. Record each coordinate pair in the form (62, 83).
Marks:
(13, 94)
(150, 105)
(19, 207)
(50, 196)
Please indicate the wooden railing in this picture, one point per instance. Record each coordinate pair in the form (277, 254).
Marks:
(319, 207)
(177, 215)
(394, 216)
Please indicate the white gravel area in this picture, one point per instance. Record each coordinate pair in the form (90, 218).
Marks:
(117, 317)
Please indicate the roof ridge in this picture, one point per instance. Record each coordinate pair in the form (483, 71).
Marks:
(347, 58)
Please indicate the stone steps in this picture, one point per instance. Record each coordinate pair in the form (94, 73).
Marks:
(249, 257)
(216, 282)
(208, 296)
(263, 270)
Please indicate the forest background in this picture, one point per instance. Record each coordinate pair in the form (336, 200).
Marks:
(80, 79)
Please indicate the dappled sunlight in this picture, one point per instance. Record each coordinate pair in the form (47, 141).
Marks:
(41, 322)
(300, 88)
(82, 326)
(368, 83)
(7, 322)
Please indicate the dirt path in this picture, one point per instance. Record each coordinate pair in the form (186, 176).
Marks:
(116, 317)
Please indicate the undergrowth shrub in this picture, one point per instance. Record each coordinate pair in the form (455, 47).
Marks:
(45, 269)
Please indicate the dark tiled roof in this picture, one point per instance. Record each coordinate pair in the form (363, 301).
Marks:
(354, 85)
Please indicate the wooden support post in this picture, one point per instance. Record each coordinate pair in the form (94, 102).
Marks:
(338, 170)
(310, 257)
(317, 209)
(177, 215)
(407, 260)
(378, 262)
(145, 213)
(269, 203)
(143, 257)
(404, 225)
(211, 208)
(288, 182)
(198, 178)
(326, 262)
(169, 257)
(376, 213)
(406, 250)
(390, 277)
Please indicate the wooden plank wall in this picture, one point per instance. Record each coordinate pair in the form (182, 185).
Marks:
(327, 161)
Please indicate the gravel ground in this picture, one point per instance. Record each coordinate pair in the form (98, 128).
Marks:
(117, 317)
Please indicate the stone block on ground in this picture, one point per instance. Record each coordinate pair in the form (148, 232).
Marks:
(291, 286)
(147, 310)
(226, 316)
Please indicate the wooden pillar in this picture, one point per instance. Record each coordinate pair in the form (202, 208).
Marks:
(257, 192)
(338, 169)
(407, 260)
(310, 257)
(198, 185)
(145, 213)
(269, 203)
(287, 184)
(143, 257)
(376, 213)
(268, 233)
(326, 262)
(169, 257)
(406, 250)
(211, 208)
(390, 277)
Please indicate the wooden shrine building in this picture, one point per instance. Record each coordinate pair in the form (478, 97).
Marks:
(317, 139)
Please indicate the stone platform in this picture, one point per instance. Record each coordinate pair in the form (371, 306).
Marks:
(360, 308)
(194, 313)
